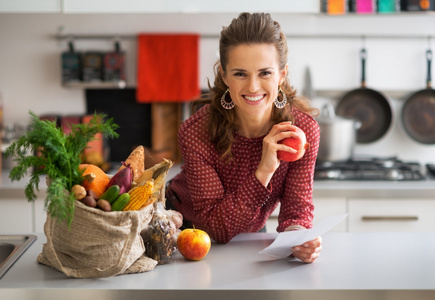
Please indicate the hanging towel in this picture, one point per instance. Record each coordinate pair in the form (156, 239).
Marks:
(167, 69)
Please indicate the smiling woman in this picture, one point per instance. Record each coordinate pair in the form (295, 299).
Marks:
(252, 78)
(232, 178)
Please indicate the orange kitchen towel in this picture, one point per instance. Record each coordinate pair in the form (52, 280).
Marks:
(167, 68)
(95, 146)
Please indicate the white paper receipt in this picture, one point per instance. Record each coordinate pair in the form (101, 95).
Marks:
(281, 246)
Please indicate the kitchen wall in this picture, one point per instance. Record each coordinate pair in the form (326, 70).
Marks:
(30, 59)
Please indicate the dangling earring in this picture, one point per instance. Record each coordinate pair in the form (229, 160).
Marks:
(280, 104)
(224, 103)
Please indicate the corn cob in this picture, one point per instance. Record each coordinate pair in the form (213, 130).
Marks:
(156, 171)
(140, 196)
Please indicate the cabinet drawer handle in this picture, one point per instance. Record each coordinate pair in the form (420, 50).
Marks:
(389, 218)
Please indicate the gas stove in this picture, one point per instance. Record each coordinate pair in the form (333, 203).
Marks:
(369, 168)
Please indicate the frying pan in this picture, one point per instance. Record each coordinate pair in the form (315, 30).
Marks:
(418, 112)
(368, 106)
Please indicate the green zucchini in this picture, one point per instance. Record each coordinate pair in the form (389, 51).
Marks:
(111, 193)
(121, 202)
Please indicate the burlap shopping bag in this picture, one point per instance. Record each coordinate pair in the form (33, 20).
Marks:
(99, 244)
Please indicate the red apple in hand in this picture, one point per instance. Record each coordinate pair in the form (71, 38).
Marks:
(193, 244)
(300, 145)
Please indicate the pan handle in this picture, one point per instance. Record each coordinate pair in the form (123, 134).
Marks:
(429, 63)
(363, 55)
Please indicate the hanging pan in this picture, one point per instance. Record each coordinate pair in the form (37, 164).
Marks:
(371, 108)
(418, 112)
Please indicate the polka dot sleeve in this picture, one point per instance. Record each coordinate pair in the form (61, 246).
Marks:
(296, 204)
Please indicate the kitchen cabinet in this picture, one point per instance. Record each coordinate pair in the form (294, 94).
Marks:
(190, 6)
(272, 222)
(372, 214)
(391, 215)
(323, 207)
(364, 202)
(40, 214)
(30, 6)
(16, 216)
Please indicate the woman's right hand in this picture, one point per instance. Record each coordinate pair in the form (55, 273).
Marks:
(269, 159)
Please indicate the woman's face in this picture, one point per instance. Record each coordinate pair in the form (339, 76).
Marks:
(253, 76)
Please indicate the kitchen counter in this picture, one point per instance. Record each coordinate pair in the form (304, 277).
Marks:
(322, 188)
(330, 197)
(15, 189)
(375, 189)
(363, 265)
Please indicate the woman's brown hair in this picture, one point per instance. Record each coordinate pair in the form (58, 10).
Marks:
(256, 28)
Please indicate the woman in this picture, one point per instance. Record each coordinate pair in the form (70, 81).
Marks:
(232, 179)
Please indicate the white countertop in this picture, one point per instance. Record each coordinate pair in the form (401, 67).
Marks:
(359, 262)
(15, 189)
(322, 188)
(375, 189)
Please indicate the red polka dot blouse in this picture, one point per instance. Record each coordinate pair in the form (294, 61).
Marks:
(225, 199)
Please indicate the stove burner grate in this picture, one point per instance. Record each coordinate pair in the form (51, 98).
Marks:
(391, 169)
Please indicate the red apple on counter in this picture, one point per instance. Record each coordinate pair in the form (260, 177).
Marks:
(193, 244)
(300, 145)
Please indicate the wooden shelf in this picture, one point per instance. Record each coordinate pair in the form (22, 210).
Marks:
(190, 6)
(95, 85)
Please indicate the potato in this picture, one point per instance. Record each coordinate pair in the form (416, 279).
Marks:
(104, 205)
(89, 201)
(78, 191)
(92, 194)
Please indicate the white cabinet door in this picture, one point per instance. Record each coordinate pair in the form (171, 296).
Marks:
(40, 215)
(323, 207)
(16, 216)
(272, 222)
(391, 215)
(30, 6)
(190, 6)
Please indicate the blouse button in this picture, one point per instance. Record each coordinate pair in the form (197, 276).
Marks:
(264, 203)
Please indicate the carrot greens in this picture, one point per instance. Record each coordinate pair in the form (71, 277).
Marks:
(59, 158)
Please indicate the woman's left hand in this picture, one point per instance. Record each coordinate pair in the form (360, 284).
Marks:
(308, 252)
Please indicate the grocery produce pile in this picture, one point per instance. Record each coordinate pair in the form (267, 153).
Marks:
(68, 179)
(129, 189)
